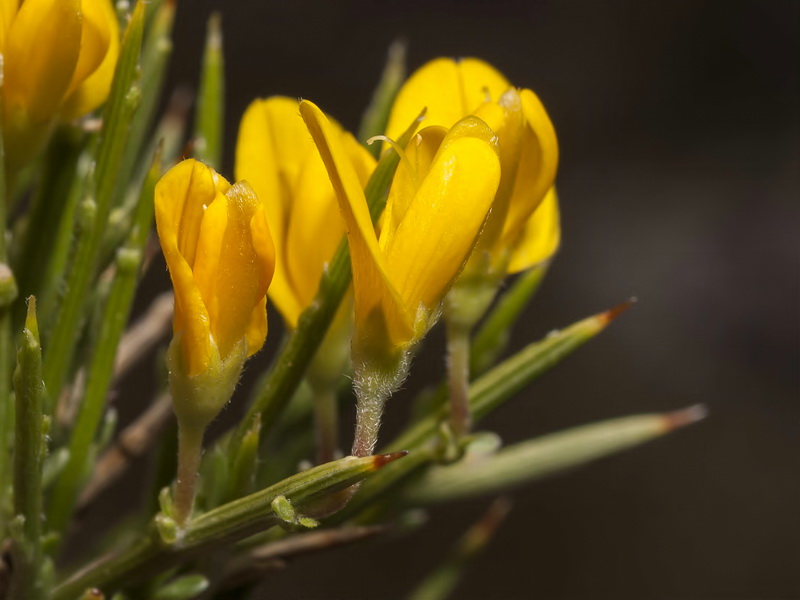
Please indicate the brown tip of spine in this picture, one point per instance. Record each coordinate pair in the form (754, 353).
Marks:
(381, 460)
(613, 313)
(686, 416)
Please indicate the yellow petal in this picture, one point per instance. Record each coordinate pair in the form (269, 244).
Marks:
(449, 89)
(434, 239)
(410, 172)
(94, 72)
(207, 260)
(540, 238)
(506, 119)
(536, 171)
(315, 227)
(8, 10)
(265, 255)
(271, 149)
(236, 272)
(256, 333)
(191, 188)
(191, 321)
(41, 55)
(381, 317)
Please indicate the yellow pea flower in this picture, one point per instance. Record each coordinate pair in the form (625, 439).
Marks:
(523, 227)
(220, 256)
(436, 208)
(528, 149)
(59, 58)
(427, 233)
(275, 154)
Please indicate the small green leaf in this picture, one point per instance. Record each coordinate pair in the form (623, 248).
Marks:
(167, 528)
(244, 464)
(537, 458)
(283, 509)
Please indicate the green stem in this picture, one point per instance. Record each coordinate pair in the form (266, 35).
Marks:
(458, 346)
(52, 278)
(369, 410)
(210, 114)
(190, 449)
(226, 524)
(50, 210)
(155, 54)
(376, 116)
(28, 583)
(6, 413)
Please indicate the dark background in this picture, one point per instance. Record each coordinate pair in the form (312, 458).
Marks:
(679, 184)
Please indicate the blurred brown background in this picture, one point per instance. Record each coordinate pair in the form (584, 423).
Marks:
(679, 181)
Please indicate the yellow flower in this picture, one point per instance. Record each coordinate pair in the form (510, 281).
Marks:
(221, 258)
(437, 206)
(59, 58)
(275, 154)
(528, 150)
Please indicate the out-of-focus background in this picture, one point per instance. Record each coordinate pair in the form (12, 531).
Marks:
(680, 184)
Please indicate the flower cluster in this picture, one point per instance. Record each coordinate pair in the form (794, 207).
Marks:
(474, 188)
(361, 243)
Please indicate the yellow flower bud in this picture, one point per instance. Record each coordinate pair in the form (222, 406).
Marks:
(276, 155)
(220, 256)
(58, 63)
(528, 150)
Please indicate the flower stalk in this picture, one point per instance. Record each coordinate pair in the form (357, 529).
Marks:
(190, 449)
